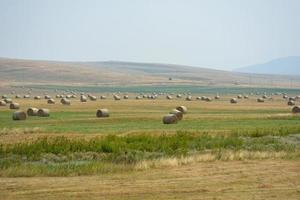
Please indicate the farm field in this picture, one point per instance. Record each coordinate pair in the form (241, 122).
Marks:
(219, 150)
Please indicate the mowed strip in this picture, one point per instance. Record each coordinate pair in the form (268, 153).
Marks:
(267, 179)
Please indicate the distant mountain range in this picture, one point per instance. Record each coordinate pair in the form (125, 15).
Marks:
(281, 66)
(20, 72)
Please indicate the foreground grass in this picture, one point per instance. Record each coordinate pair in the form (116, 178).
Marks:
(60, 156)
(243, 180)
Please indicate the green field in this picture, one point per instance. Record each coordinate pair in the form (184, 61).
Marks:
(73, 142)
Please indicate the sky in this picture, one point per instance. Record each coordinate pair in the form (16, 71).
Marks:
(222, 34)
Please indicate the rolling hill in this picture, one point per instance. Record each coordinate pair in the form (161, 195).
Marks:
(19, 72)
(281, 66)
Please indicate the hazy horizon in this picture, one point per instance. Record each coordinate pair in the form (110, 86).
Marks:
(212, 34)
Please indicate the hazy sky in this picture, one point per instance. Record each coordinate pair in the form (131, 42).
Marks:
(209, 33)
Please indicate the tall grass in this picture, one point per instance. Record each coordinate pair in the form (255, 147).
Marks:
(179, 144)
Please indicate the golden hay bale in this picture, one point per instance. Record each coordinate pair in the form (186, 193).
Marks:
(102, 113)
(4, 96)
(65, 101)
(291, 103)
(27, 96)
(208, 99)
(47, 97)
(43, 112)
(138, 97)
(246, 97)
(178, 113)
(170, 119)
(260, 100)
(169, 97)
(239, 96)
(58, 96)
(102, 97)
(217, 97)
(14, 106)
(51, 101)
(8, 100)
(18, 96)
(37, 98)
(83, 98)
(2, 103)
(125, 97)
(178, 96)
(93, 98)
(189, 98)
(117, 98)
(19, 115)
(233, 100)
(296, 109)
(182, 109)
(32, 111)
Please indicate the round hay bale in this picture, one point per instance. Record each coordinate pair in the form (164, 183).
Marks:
(170, 119)
(138, 97)
(18, 96)
(292, 99)
(83, 98)
(37, 98)
(65, 101)
(246, 97)
(47, 97)
(291, 103)
(8, 100)
(19, 115)
(58, 96)
(189, 98)
(178, 113)
(126, 97)
(27, 96)
(4, 96)
(260, 100)
(169, 97)
(14, 106)
(69, 96)
(217, 97)
(264, 96)
(208, 99)
(32, 111)
(51, 101)
(285, 96)
(117, 98)
(233, 100)
(178, 96)
(93, 98)
(102, 97)
(2, 103)
(43, 112)
(102, 113)
(240, 96)
(296, 109)
(182, 109)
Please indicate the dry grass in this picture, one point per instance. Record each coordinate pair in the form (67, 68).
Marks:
(239, 180)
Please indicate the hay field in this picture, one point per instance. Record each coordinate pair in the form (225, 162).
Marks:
(219, 150)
